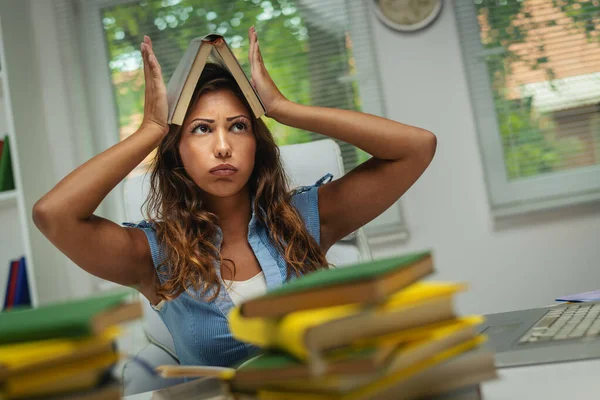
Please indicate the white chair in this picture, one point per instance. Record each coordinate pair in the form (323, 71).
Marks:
(305, 164)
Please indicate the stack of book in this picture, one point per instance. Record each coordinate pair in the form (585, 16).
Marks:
(369, 331)
(65, 350)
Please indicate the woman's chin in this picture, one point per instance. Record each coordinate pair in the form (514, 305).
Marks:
(224, 189)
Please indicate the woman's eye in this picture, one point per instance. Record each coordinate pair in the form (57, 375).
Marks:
(239, 126)
(201, 129)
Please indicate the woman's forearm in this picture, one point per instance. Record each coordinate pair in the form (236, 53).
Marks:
(79, 194)
(382, 138)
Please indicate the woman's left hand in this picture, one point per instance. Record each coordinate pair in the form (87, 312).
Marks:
(261, 80)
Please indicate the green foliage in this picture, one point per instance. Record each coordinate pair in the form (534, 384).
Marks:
(283, 34)
(529, 148)
(528, 137)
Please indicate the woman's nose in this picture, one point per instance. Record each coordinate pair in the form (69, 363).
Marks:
(222, 147)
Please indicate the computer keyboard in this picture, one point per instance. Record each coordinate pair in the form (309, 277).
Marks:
(576, 320)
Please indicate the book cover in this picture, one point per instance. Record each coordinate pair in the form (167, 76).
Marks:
(18, 358)
(269, 370)
(209, 48)
(11, 285)
(307, 333)
(6, 173)
(368, 282)
(382, 385)
(68, 377)
(22, 295)
(73, 318)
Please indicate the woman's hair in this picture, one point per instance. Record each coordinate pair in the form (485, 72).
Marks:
(188, 231)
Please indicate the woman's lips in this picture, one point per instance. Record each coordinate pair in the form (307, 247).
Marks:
(223, 170)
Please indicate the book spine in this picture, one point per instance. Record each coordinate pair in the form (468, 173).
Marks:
(22, 297)
(7, 294)
(12, 289)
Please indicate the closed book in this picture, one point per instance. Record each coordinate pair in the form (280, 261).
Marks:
(369, 282)
(404, 384)
(22, 296)
(61, 378)
(28, 357)
(73, 318)
(282, 372)
(308, 334)
(11, 286)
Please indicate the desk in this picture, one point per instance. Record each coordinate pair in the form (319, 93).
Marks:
(563, 381)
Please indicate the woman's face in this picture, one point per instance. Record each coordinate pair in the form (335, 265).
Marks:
(217, 144)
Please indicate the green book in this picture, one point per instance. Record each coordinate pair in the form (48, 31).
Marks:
(273, 366)
(73, 318)
(7, 181)
(366, 282)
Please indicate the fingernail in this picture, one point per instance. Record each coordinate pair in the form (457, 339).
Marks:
(146, 37)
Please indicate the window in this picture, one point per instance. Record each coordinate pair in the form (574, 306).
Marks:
(309, 57)
(532, 68)
(318, 53)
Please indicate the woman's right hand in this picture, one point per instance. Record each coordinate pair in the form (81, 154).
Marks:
(156, 108)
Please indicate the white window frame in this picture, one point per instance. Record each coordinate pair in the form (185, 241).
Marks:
(390, 224)
(507, 197)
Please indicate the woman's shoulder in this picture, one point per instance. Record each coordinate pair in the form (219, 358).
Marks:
(306, 200)
(156, 250)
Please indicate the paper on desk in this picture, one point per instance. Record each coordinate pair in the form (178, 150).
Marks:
(594, 295)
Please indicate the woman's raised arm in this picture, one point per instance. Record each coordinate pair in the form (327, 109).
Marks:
(65, 214)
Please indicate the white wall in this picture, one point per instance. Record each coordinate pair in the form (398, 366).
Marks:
(526, 262)
(45, 132)
(520, 263)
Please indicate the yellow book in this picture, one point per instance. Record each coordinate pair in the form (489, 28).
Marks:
(384, 384)
(29, 356)
(308, 334)
(431, 340)
(72, 376)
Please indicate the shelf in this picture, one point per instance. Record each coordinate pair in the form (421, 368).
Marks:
(8, 198)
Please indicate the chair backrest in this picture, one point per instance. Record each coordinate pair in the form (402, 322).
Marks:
(304, 164)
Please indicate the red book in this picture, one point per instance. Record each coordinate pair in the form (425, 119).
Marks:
(12, 285)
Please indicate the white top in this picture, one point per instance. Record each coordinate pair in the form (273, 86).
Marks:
(240, 291)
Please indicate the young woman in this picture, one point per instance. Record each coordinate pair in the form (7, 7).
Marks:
(223, 224)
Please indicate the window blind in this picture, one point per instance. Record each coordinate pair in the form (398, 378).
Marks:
(540, 84)
(316, 52)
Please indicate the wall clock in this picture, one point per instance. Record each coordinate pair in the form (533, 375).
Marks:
(406, 15)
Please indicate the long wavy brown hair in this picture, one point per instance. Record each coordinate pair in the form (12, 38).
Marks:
(187, 230)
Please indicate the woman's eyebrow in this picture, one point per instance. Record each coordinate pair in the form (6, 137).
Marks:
(203, 119)
(237, 116)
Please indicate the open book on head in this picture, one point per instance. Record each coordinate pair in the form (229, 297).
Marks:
(210, 48)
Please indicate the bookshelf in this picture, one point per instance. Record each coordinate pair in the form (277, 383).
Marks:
(14, 215)
(8, 198)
